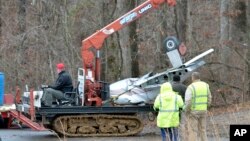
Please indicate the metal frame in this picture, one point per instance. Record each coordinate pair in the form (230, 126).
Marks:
(94, 110)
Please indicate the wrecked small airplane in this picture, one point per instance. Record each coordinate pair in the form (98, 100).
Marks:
(144, 90)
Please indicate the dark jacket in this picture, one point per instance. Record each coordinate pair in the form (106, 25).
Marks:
(63, 82)
(180, 88)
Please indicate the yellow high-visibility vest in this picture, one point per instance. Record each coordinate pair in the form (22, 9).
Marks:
(199, 95)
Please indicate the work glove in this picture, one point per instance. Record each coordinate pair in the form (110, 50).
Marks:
(180, 110)
(36, 97)
(156, 111)
(44, 86)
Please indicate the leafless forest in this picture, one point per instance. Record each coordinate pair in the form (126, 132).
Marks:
(37, 34)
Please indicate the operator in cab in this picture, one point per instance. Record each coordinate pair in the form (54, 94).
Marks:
(62, 84)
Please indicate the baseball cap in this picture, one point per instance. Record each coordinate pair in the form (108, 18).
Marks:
(60, 66)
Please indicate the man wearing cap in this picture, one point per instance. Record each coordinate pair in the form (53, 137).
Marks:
(178, 86)
(63, 84)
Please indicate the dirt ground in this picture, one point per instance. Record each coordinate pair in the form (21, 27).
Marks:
(219, 119)
(29, 135)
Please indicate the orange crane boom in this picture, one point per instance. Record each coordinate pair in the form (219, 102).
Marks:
(91, 62)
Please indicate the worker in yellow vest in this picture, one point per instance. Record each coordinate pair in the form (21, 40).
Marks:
(197, 99)
(168, 103)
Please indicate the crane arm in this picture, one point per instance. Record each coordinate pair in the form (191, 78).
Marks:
(96, 40)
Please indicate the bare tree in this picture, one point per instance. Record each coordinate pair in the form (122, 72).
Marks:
(181, 18)
(248, 50)
(0, 22)
(133, 44)
(35, 35)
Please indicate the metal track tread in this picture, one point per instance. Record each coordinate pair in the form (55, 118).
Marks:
(97, 125)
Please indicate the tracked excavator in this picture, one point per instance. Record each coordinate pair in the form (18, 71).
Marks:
(97, 108)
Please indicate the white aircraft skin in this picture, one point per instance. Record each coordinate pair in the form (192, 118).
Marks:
(134, 91)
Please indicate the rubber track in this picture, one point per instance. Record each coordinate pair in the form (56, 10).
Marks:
(63, 121)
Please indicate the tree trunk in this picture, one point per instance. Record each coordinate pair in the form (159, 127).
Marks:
(189, 23)
(239, 33)
(124, 38)
(181, 18)
(133, 44)
(224, 36)
(21, 16)
(21, 49)
(248, 45)
(104, 66)
(113, 59)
